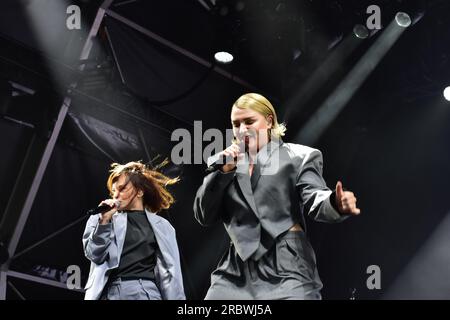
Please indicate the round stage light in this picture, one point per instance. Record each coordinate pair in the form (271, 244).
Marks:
(447, 93)
(223, 57)
(403, 19)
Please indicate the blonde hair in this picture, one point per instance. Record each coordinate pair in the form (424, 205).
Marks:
(260, 104)
(152, 183)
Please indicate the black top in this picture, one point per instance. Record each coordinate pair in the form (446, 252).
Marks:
(138, 257)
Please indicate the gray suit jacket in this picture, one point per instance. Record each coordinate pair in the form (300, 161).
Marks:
(286, 182)
(103, 245)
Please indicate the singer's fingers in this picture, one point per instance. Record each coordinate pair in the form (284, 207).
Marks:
(228, 154)
(109, 202)
(112, 202)
(231, 152)
(236, 147)
(339, 190)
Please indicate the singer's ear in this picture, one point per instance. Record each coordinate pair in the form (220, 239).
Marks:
(269, 121)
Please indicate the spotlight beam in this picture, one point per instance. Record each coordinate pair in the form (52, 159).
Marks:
(426, 274)
(334, 104)
(294, 105)
(35, 164)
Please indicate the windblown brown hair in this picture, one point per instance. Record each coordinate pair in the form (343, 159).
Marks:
(152, 182)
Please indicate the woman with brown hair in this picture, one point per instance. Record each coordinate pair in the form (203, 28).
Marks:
(133, 251)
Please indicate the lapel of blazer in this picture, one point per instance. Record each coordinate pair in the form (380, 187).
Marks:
(261, 160)
(243, 180)
(120, 229)
(154, 221)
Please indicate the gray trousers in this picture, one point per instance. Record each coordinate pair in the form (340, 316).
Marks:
(287, 271)
(139, 289)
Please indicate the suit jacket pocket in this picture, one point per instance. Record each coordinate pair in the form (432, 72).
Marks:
(228, 263)
(294, 258)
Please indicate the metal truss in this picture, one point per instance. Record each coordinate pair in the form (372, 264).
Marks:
(17, 211)
(39, 154)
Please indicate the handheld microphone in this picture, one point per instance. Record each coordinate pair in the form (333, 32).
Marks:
(103, 208)
(216, 161)
(219, 163)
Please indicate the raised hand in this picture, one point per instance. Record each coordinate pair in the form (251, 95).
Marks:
(346, 201)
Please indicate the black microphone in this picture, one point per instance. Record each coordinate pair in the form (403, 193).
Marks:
(219, 163)
(103, 208)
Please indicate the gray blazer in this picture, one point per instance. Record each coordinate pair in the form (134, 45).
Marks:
(103, 245)
(286, 183)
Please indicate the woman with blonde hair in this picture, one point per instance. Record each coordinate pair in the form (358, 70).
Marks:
(260, 195)
(133, 251)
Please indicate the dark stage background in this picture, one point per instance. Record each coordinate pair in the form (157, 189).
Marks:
(151, 70)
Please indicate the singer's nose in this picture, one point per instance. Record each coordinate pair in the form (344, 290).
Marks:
(242, 129)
